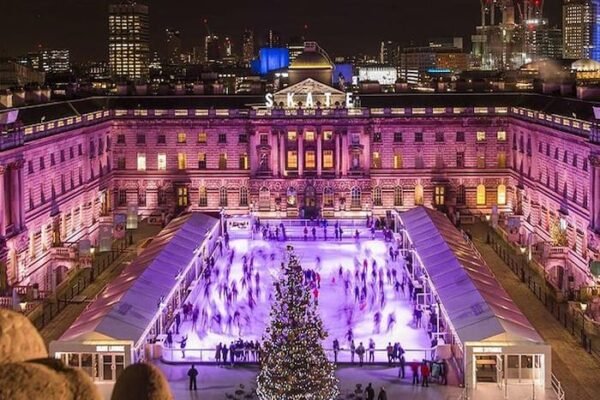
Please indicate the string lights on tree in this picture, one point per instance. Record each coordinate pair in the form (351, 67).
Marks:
(293, 364)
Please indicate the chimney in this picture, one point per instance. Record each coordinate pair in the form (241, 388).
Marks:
(18, 98)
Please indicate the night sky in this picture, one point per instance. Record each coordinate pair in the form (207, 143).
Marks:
(341, 27)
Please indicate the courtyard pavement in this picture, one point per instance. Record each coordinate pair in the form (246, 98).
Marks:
(577, 370)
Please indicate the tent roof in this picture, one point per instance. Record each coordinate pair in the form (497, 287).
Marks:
(128, 304)
(478, 307)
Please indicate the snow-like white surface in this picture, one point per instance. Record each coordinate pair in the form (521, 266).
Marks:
(337, 306)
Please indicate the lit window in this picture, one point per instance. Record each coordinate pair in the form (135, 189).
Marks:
(182, 196)
(141, 161)
(201, 160)
(181, 161)
(377, 196)
(440, 195)
(291, 136)
(480, 160)
(244, 161)
(292, 159)
(309, 136)
(328, 159)
(376, 160)
(223, 197)
(501, 194)
(327, 135)
(419, 195)
(243, 196)
(355, 197)
(202, 197)
(501, 159)
(481, 195)
(309, 159)
(480, 136)
(398, 196)
(162, 161)
(223, 161)
(201, 137)
(501, 136)
(181, 137)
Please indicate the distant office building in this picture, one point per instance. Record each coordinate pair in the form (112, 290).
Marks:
(273, 39)
(228, 47)
(455, 42)
(383, 74)
(248, 46)
(437, 56)
(128, 40)
(212, 51)
(14, 74)
(541, 41)
(389, 52)
(55, 61)
(296, 47)
(173, 38)
(580, 19)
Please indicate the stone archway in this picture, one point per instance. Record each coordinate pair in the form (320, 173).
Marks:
(311, 208)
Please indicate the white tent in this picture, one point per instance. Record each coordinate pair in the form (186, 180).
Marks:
(479, 309)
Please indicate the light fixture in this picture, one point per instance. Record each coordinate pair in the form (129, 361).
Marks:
(523, 248)
(583, 306)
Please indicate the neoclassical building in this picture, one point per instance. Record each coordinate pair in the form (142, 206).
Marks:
(67, 168)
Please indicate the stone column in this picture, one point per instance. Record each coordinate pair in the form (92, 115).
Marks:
(344, 154)
(338, 163)
(281, 138)
(594, 197)
(274, 161)
(21, 195)
(319, 153)
(15, 201)
(300, 153)
(252, 156)
(3, 203)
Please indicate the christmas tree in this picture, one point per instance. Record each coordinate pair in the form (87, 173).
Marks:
(293, 363)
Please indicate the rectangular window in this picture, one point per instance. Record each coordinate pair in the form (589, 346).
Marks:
(292, 136)
(201, 160)
(141, 161)
(460, 159)
(52, 162)
(292, 159)
(121, 163)
(79, 149)
(501, 136)
(480, 136)
(71, 153)
(377, 137)
(244, 164)
(264, 140)
(243, 138)
(62, 156)
(418, 137)
(162, 197)
(481, 195)
(202, 137)
(223, 161)
(222, 138)
(161, 162)
(42, 165)
(398, 137)
(120, 139)
(122, 197)
(141, 197)
(501, 159)
(181, 137)
(480, 160)
(439, 137)
(181, 161)
(440, 195)
(310, 161)
(376, 160)
(309, 136)
(327, 136)
(398, 162)
(460, 136)
(161, 139)
(202, 197)
(30, 167)
(328, 159)
(141, 139)
(182, 196)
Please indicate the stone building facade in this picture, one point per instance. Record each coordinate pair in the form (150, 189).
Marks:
(529, 156)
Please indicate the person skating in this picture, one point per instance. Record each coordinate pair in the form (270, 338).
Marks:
(415, 373)
(193, 373)
(177, 323)
(336, 349)
(224, 353)
(182, 345)
(361, 354)
(371, 350)
(382, 394)
(352, 351)
(425, 374)
(370, 392)
(390, 353)
(169, 339)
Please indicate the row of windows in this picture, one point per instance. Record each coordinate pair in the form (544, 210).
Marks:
(62, 158)
(182, 194)
(161, 161)
(439, 195)
(440, 137)
(398, 163)
(565, 156)
(181, 138)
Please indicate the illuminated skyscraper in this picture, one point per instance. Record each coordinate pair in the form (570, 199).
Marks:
(211, 49)
(579, 17)
(173, 46)
(248, 45)
(128, 40)
(389, 53)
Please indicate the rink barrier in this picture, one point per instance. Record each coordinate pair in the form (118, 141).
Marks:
(207, 356)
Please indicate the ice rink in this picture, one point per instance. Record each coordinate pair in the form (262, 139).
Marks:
(223, 321)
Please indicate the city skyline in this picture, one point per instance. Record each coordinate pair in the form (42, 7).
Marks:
(333, 26)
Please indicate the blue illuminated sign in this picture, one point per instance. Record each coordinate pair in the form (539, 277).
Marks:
(271, 59)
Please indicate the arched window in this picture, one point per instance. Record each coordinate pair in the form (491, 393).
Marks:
(419, 195)
(481, 195)
(398, 196)
(243, 196)
(501, 194)
(377, 196)
(328, 197)
(264, 198)
(202, 197)
(223, 197)
(355, 197)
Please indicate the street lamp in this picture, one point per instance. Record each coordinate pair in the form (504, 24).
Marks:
(222, 214)
(523, 262)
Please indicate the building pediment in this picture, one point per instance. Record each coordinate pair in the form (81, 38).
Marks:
(309, 93)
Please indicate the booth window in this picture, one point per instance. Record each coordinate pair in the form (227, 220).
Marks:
(481, 195)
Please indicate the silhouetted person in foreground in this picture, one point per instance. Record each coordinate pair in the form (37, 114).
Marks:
(193, 373)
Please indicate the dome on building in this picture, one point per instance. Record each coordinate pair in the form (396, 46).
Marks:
(311, 60)
(584, 65)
